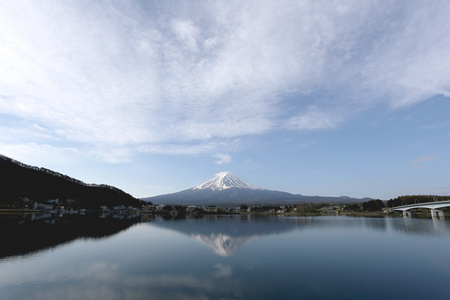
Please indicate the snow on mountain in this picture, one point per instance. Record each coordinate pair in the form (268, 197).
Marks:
(224, 188)
(227, 189)
(223, 181)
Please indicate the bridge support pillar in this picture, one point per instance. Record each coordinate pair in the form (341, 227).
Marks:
(437, 214)
(407, 214)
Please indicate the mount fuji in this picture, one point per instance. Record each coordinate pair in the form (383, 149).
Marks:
(223, 181)
(227, 189)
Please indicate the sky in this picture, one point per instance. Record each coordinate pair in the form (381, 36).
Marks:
(326, 98)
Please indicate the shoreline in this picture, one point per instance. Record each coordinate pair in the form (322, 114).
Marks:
(20, 210)
(376, 214)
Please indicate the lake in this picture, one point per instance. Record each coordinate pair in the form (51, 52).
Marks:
(224, 257)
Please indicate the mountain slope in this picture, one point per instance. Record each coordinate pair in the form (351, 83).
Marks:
(223, 181)
(37, 184)
(227, 189)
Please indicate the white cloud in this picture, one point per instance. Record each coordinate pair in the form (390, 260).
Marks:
(47, 154)
(112, 76)
(35, 154)
(223, 158)
(410, 62)
(191, 148)
(314, 119)
(186, 33)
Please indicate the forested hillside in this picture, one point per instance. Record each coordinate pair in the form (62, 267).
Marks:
(19, 181)
(411, 199)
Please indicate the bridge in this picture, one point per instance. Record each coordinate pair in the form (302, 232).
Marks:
(434, 207)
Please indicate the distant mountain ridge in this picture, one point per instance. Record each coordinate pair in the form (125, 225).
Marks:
(227, 189)
(37, 184)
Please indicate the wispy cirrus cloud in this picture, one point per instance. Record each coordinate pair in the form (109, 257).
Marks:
(223, 158)
(418, 162)
(210, 146)
(175, 79)
(421, 161)
(31, 152)
(314, 119)
(424, 159)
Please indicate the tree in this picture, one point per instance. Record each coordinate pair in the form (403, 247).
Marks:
(353, 207)
(167, 208)
(307, 208)
(373, 205)
(412, 199)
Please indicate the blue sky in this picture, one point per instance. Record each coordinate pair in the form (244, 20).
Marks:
(323, 98)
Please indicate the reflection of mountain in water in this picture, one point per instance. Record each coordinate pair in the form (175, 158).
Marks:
(225, 235)
(21, 235)
(223, 244)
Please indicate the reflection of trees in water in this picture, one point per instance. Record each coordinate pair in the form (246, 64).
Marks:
(378, 224)
(226, 234)
(22, 235)
(429, 227)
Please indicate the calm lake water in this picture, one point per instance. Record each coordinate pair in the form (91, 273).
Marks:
(224, 257)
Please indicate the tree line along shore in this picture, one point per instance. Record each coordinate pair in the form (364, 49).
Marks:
(374, 207)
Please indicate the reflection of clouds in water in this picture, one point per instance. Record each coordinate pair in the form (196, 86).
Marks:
(100, 271)
(225, 235)
(107, 281)
(222, 270)
(223, 245)
(186, 275)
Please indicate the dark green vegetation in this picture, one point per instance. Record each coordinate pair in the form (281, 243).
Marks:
(21, 183)
(412, 199)
(367, 206)
(373, 205)
(298, 209)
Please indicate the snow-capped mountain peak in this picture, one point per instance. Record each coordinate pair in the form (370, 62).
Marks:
(223, 181)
